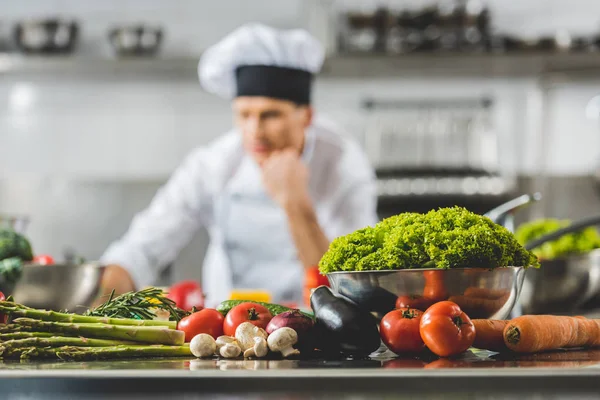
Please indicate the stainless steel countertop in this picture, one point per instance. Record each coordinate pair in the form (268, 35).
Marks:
(574, 373)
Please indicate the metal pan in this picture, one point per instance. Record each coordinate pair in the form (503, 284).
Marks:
(562, 285)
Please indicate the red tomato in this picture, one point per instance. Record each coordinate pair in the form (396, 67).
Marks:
(186, 295)
(3, 318)
(246, 312)
(446, 329)
(418, 302)
(399, 331)
(208, 321)
(435, 288)
(43, 259)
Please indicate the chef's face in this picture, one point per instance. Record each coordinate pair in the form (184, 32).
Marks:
(268, 125)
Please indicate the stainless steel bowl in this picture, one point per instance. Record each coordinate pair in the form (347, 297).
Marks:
(59, 287)
(481, 293)
(561, 285)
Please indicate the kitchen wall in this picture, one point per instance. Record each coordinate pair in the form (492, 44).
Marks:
(81, 153)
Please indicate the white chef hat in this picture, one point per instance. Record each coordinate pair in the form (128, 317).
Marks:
(257, 60)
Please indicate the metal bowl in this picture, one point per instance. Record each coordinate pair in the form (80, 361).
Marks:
(481, 293)
(59, 287)
(561, 285)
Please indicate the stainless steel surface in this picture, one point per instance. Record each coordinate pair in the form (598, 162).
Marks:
(504, 213)
(59, 287)
(471, 375)
(472, 359)
(561, 285)
(378, 290)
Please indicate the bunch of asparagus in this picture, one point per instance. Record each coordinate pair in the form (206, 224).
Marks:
(35, 334)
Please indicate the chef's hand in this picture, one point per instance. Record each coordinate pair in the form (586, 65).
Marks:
(286, 178)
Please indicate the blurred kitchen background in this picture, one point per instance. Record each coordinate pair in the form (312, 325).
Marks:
(456, 102)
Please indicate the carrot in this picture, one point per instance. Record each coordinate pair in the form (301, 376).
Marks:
(476, 307)
(489, 334)
(485, 293)
(533, 333)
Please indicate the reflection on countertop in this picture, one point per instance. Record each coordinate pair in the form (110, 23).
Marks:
(475, 359)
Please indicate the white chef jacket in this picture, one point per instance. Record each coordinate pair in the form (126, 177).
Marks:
(219, 186)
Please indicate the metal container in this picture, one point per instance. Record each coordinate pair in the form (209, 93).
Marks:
(481, 292)
(564, 284)
(59, 287)
(561, 285)
(47, 36)
(136, 40)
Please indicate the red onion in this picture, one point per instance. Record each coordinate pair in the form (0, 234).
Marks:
(299, 322)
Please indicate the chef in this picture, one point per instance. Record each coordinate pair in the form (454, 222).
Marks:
(272, 192)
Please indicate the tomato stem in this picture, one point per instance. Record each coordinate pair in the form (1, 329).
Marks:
(457, 321)
(252, 314)
(408, 313)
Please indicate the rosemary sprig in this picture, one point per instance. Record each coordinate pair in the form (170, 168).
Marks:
(138, 305)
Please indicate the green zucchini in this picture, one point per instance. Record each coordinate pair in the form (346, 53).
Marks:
(275, 309)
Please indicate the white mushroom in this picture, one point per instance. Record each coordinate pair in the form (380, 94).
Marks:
(203, 345)
(245, 334)
(223, 340)
(282, 341)
(260, 348)
(230, 350)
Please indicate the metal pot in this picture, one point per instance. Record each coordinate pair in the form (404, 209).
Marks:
(562, 285)
(46, 36)
(136, 40)
(70, 287)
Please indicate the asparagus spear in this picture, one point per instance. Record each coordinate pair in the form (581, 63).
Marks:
(23, 335)
(103, 353)
(17, 310)
(74, 353)
(143, 334)
(57, 341)
(12, 328)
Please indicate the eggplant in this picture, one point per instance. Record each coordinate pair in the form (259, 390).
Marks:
(341, 326)
(372, 298)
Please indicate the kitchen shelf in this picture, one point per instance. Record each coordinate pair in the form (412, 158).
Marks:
(483, 65)
(516, 65)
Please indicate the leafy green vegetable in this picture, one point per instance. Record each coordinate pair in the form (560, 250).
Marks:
(11, 270)
(13, 244)
(444, 238)
(572, 243)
